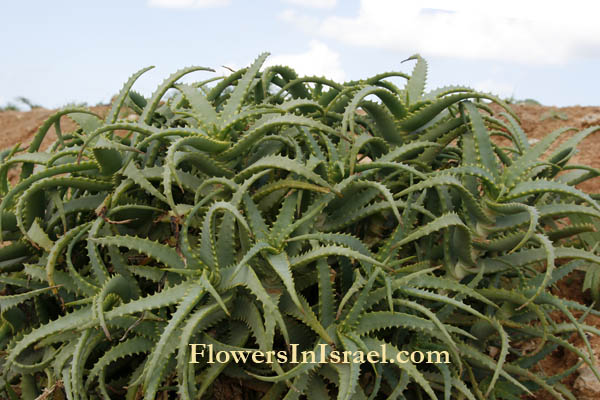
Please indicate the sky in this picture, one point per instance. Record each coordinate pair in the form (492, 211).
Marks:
(60, 52)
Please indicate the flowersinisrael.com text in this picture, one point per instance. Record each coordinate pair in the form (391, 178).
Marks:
(322, 355)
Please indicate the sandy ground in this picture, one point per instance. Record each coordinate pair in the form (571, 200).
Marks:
(538, 121)
(21, 126)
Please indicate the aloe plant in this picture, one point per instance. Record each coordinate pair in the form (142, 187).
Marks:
(265, 210)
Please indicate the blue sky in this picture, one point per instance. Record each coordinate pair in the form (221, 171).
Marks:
(58, 52)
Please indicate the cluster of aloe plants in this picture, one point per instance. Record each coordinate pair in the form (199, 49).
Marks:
(264, 209)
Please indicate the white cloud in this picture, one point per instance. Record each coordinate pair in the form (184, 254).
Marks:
(532, 32)
(306, 22)
(188, 3)
(318, 60)
(313, 3)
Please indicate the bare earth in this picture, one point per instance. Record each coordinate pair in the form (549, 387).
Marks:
(21, 126)
(537, 121)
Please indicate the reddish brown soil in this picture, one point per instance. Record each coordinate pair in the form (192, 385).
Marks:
(21, 126)
(537, 121)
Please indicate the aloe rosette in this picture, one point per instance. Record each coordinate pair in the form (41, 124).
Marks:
(264, 209)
